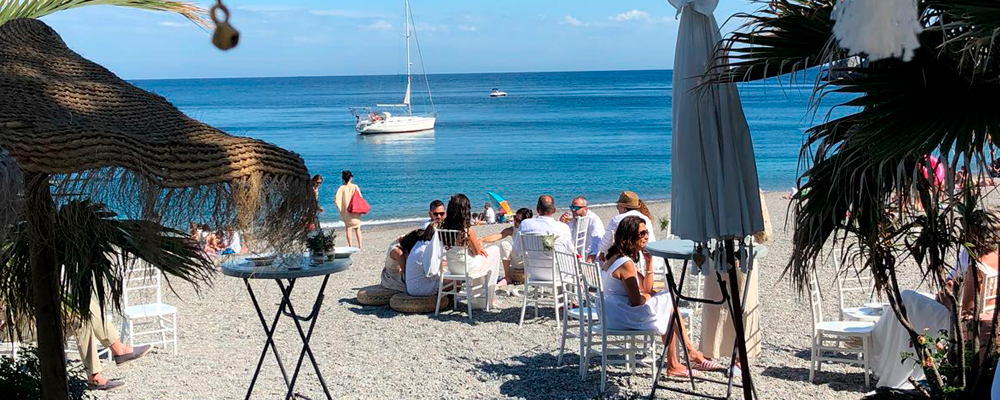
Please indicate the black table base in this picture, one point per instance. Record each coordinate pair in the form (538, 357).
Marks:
(287, 309)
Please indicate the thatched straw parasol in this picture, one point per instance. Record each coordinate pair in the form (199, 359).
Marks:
(74, 130)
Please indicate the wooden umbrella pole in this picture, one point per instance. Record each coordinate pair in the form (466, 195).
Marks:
(40, 212)
(736, 299)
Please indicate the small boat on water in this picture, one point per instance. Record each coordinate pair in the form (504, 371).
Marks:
(497, 93)
(401, 119)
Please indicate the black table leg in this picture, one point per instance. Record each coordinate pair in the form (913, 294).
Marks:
(306, 349)
(269, 331)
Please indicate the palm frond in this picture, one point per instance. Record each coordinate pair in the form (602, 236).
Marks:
(96, 251)
(13, 9)
(786, 37)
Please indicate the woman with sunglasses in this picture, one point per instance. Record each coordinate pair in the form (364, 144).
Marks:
(629, 300)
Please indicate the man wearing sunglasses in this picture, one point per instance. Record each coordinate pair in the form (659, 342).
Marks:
(595, 227)
(435, 214)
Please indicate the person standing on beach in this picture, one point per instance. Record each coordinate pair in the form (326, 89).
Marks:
(352, 221)
(435, 214)
(595, 227)
(628, 204)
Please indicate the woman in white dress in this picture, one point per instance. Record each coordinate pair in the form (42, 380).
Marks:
(629, 300)
(459, 215)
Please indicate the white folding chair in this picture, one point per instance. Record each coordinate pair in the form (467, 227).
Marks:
(462, 282)
(580, 234)
(629, 344)
(541, 278)
(988, 296)
(836, 333)
(574, 292)
(145, 315)
(853, 286)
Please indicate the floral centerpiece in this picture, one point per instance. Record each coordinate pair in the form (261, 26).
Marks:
(321, 244)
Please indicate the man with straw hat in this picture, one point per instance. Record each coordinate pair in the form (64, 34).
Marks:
(628, 204)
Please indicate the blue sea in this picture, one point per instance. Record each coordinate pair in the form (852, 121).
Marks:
(562, 133)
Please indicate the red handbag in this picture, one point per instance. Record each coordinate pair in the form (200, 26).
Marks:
(358, 205)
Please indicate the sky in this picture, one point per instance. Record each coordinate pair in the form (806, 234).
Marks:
(339, 37)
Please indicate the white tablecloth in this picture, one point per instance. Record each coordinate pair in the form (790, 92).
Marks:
(890, 338)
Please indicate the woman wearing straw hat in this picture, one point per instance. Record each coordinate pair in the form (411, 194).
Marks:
(352, 221)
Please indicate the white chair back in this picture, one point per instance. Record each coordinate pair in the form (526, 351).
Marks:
(539, 263)
(568, 273)
(580, 234)
(456, 250)
(815, 300)
(988, 296)
(593, 289)
(142, 285)
(853, 286)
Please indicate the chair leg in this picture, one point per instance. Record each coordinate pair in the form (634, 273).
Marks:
(163, 330)
(524, 302)
(562, 346)
(654, 360)
(468, 298)
(556, 303)
(812, 361)
(437, 306)
(174, 332)
(867, 355)
(604, 361)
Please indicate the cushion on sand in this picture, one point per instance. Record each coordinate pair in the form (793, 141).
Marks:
(405, 303)
(375, 295)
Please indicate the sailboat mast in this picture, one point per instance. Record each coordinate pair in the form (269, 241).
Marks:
(406, 23)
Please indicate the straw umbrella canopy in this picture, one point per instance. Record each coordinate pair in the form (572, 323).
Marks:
(71, 129)
(714, 195)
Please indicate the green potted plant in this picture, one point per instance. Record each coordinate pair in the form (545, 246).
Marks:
(321, 245)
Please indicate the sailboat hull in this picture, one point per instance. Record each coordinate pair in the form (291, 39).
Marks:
(396, 124)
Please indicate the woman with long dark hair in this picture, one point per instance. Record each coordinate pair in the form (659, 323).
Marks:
(352, 221)
(393, 274)
(629, 300)
(507, 254)
(459, 218)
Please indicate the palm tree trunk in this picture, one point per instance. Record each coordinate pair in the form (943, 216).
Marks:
(45, 284)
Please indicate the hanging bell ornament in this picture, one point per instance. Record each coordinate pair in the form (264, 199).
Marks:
(225, 36)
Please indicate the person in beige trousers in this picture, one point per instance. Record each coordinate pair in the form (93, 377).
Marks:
(717, 332)
(99, 329)
(352, 221)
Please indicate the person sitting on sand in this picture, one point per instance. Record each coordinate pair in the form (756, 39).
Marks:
(393, 274)
(507, 256)
(99, 329)
(416, 266)
(483, 258)
(628, 205)
(630, 302)
(488, 216)
(435, 214)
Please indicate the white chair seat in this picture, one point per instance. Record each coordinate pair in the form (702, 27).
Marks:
(150, 310)
(864, 314)
(596, 328)
(575, 313)
(846, 327)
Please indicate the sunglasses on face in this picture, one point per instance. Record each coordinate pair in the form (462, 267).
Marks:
(644, 233)
(576, 208)
(439, 214)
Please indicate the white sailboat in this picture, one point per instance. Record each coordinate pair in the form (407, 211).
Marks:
(379, 119)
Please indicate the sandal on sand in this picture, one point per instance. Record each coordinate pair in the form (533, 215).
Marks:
(137, 353)
(683, 374)
(708, 365)
(109, 385)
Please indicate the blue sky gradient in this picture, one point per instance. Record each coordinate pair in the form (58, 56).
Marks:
(319, 38)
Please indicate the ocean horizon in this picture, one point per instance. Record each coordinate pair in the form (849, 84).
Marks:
(591, 133)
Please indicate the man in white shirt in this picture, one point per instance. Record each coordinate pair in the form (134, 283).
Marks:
(595, 227)
(490, 216)
(435, 214)
(628, 204)
(545, 224)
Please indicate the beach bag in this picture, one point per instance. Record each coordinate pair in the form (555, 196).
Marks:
(432, 257)
(358, 204)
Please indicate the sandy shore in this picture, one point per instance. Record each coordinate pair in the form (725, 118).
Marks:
(374, 352)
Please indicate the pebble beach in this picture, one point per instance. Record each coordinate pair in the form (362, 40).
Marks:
(377, 353)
